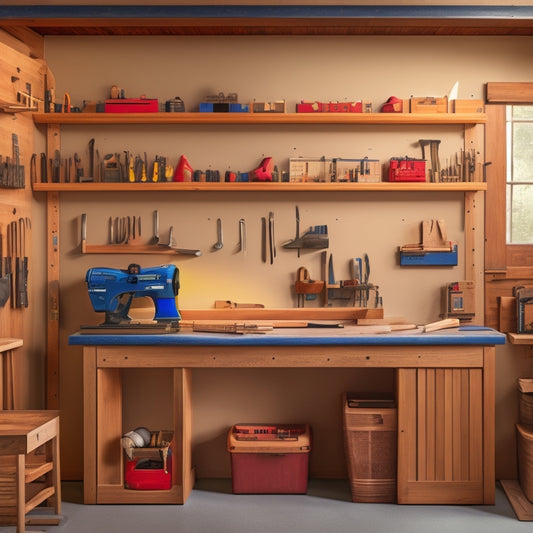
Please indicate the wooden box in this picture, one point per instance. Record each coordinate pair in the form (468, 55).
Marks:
(468, 106)
(429, 104)
(370, 436)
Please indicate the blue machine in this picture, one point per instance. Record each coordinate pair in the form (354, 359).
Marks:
(112, 290)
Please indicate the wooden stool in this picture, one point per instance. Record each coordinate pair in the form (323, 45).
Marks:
(29, 466)
(7, 374)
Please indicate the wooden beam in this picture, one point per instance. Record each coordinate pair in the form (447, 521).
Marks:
(509, 92)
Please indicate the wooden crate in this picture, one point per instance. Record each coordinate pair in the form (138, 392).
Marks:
(370, 437)
(429, 104)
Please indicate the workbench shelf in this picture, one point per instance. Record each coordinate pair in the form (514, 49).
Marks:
(471, 186)
(259, 118)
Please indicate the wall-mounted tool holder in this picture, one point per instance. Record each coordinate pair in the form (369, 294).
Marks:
(125, 238)
(434, 250)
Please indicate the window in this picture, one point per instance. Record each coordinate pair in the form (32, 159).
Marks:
(519, 172)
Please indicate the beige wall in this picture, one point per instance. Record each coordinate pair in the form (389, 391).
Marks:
(268, 68)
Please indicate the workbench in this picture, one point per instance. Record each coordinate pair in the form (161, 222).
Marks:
(444, 388)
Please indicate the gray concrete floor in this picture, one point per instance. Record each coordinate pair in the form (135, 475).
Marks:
(326, 508)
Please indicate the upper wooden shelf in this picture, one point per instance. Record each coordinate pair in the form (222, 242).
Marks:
(259, 118)
(261, 186)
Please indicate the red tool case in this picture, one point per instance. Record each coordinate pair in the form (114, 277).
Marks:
(407, 169)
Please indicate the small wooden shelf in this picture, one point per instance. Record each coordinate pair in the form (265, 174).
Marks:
(520, 338)
(134, 249)
(260, 186)
(259, 118)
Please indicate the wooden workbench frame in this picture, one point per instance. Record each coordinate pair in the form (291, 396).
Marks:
(103, 365)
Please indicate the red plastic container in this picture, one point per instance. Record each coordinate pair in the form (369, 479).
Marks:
(131, 105)
(138, 477)
(269, 459)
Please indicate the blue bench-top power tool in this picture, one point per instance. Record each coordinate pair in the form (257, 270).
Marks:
(112, 290)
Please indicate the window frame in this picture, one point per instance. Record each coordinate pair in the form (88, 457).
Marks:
(513, 260)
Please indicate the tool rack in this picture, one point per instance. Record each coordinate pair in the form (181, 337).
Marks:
(473, 124)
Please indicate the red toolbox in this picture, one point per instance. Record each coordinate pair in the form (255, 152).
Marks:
(407, 169)
(148, 474)
(131, 105)
(269, 459)
(150, 467)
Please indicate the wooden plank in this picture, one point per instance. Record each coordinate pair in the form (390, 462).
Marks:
(447, 400)
(507, 314)
(522, 507)
(24, 40)
(478, 446)
(488, 412)
(183, 431)
(89, 425)
(52, 337)
(440, 445)
(520, 338)
(422, 429)
(109, 427)
(509, 92)
(430, 401)
(465, 424)
(286, 356)
(496, 195)
(407, 445)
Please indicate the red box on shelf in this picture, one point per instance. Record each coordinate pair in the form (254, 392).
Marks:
(131, 105)
(407, 169)
(269, 459)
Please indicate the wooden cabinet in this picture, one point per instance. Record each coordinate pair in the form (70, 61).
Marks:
(445, 434)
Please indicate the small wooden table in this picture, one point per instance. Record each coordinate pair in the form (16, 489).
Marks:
(21, 433)
(7, 377)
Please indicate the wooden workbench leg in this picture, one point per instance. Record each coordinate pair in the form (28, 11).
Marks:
(9, 376)
(489, 416)
(89, 425)
(56, 473)
(183, 473)
(21, 493)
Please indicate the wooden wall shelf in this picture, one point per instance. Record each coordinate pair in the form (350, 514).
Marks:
(520, 338)
(259, 118)
(164, 186)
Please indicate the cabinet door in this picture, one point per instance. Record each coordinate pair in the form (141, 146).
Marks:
(440, 436)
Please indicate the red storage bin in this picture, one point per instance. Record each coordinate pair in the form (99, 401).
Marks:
(269, 459)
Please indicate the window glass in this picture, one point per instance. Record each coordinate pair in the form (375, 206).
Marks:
(519, 175)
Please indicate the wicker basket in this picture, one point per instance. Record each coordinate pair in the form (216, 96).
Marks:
(525, 386)
(370, 435)
(524, 437)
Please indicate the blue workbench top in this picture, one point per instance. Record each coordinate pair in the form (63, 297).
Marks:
(347, 336)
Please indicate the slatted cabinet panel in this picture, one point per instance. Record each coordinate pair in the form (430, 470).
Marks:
(440, 435)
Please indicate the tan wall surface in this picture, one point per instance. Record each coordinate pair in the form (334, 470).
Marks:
(269, 68)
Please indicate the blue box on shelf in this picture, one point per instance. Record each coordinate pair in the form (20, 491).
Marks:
(429, 258)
